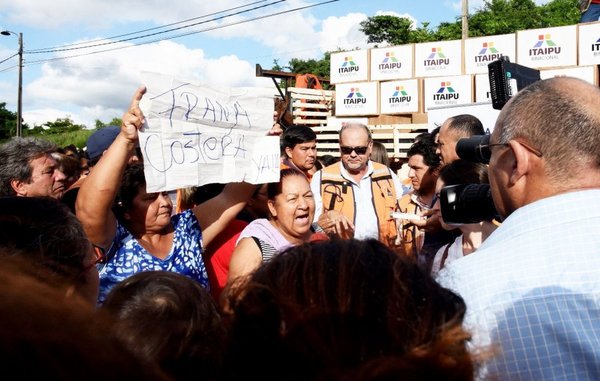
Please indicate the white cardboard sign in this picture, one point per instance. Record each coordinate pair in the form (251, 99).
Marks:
(197, 134)
(586, 73)
(398, 97)
(589, 44)
(359, 98)
(395, 62)
(349, 66)
(447, 91)
(480, 51)
(550, 47)
(438, 58)
(482, 88)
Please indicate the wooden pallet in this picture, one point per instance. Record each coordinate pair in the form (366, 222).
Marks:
(311, 107)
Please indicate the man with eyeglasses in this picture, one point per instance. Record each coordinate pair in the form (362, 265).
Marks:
(533, 288)
(355, 197)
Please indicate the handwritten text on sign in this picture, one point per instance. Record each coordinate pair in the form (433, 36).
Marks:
(197, 134)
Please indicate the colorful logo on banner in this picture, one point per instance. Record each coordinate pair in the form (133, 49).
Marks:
(354, 97)
(390, 62)
(445, 92)
(436, 58)
(544, 48)
(487, 54)
(399, 96)
(596, 47)
(348, 66)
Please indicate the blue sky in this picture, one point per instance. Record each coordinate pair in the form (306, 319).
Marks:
(86, 87)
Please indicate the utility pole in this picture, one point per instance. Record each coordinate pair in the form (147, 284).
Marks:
(465, 19)
(20, 89)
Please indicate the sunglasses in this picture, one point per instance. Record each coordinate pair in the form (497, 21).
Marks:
(359, 150)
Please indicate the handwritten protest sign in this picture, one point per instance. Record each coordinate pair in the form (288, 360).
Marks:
(197, 134)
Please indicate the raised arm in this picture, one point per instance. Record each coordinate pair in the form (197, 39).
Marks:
(96, 195)
(214, 214)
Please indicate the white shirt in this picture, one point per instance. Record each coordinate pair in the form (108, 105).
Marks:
(455, 251)
(533, 289)
(365, 220)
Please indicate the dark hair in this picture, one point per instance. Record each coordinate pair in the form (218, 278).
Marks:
(273, 189)
(169, 319)
(464, 172)
(15, 160)
(466, 125)
(343, 309)
(379, 153)
(45, 231)
(297, 134)
(426, 148)
(47, 335)
(327, 160)
(133, 179)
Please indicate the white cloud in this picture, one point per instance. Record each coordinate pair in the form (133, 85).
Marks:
(101, 86)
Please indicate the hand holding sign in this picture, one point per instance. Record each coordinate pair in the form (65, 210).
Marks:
(198, 134)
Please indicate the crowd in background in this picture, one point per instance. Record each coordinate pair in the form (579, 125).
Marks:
(348, 267)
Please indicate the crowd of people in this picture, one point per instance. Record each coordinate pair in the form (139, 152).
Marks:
(340, 270)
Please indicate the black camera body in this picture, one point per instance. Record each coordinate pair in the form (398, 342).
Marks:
(467, 204)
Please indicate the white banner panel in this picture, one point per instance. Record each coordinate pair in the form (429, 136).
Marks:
(589, 44)
(349, 66)
(438, 58)
(447, 91)
(587, 73)
(359, 98)
(549, 47)
(482, 88)
(399, 97)
(480, 51)
(395, 62)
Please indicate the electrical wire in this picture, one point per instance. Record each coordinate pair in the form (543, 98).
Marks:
(145, 30)
(152, 34)
(183, 34)
(6, 59)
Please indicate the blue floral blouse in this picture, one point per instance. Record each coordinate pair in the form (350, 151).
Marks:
(127, 257)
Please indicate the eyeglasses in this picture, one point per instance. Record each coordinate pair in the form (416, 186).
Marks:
(486, 152)
(359, 150)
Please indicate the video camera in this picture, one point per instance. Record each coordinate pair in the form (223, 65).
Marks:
(472, 203)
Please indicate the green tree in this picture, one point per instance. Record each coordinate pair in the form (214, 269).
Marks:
(8, 122)
(391, 29)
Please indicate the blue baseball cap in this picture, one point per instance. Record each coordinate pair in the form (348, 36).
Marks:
(99, 141)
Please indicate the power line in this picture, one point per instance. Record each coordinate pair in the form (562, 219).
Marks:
(145, 30)
(153, 34)
(183, 34)
(6, 59)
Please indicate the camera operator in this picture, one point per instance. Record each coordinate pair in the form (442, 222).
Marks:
(533, 288)
(473, 234)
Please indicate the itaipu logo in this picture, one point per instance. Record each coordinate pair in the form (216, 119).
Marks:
(399, 96)
(354, 97)
(390, 62)
(445, 93)
(348, 66)
(544, 47)
(487, 53)
(436, 58)
(596, 47)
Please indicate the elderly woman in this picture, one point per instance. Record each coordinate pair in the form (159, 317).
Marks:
(141, 234)
(291, 208)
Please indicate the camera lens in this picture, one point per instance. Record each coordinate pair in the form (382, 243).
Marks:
(474, 149)
(467, 204)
